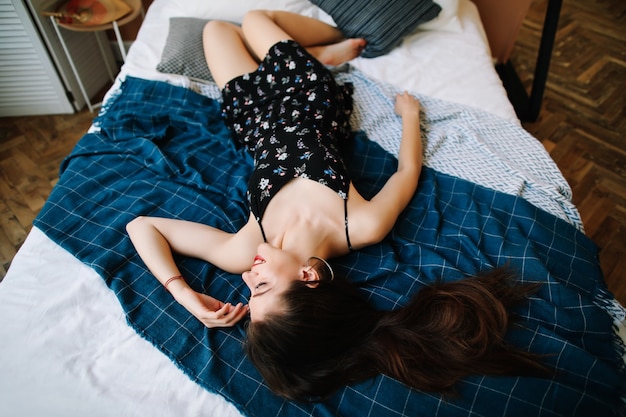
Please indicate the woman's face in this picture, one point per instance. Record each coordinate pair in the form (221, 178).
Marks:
(272, 272)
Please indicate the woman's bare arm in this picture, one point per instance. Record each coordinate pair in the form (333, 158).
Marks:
(382, 211)
(156, 239)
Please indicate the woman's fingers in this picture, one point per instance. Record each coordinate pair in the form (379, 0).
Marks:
(405, 103)
(226, 316)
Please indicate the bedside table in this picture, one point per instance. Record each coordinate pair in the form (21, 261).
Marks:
(136, 8)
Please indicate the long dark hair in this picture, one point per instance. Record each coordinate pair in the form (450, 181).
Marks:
(328, 336)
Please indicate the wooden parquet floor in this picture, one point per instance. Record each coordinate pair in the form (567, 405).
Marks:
(583, 119)
(31, 151)
(582, 125)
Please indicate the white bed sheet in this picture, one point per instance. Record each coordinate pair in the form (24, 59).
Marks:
(67, 351)
(65, 347)
(450, 65)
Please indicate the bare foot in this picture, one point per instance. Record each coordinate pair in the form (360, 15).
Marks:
(338, 53)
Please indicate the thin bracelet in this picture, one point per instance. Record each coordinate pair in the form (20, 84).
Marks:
(172, 279)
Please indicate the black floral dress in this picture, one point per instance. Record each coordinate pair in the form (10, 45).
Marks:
(292, 115)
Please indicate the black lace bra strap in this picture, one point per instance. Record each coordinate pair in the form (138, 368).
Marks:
(258, 220)
(345, 210)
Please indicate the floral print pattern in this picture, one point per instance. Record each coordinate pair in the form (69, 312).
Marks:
(292, 116)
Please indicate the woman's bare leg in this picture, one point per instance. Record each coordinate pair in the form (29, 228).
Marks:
(263, 28)
(338, 53)
(226, 51)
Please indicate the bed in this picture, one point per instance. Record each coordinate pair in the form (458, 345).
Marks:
(85, 329)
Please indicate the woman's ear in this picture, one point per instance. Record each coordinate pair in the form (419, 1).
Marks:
(310, 276)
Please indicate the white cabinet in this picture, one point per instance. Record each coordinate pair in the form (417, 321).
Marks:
(35, 74)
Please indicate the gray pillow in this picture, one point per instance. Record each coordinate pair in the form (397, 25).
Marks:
(383, 23)
(183, 52)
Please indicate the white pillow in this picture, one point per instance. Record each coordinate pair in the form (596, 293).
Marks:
(232, 10)
(447, 20)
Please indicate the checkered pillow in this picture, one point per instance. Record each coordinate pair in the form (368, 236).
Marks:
(183, 52)
(383, 23)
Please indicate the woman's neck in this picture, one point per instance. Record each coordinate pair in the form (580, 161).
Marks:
(305, 237)
(306, 218)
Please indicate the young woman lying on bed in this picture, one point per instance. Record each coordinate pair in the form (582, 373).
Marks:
(310, 333)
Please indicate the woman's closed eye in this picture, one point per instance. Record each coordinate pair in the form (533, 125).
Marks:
(261, 288)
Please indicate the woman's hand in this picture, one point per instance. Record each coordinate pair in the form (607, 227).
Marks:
(210, 311)
(407, 105)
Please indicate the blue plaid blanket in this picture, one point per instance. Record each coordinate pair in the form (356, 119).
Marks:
(163, 150)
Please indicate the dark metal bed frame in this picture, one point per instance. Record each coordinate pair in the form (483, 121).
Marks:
(528, 105)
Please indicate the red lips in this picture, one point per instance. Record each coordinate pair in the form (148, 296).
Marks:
(258, 260)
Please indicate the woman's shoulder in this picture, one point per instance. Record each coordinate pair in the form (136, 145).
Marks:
(363, 223)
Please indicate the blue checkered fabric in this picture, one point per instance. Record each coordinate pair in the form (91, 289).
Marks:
(163, 150)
